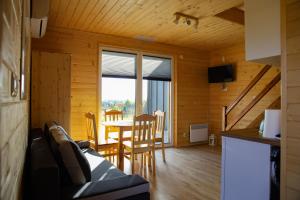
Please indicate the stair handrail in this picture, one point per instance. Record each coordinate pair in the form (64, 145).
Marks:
(264, 70)
(267, 88)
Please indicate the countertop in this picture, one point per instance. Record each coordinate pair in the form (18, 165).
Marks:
(251, 135)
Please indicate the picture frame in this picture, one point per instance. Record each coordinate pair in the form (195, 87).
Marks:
(25, 51)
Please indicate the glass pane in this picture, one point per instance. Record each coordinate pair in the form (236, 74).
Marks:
(156, 96)
(119, 94)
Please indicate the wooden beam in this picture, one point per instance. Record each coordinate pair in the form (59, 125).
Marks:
(234, 15)
(268, 87)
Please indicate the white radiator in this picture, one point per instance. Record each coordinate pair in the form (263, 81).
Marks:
(198, 132)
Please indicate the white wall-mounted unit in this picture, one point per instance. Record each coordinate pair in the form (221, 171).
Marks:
(39, 18)
(262, 31)
(198, 133)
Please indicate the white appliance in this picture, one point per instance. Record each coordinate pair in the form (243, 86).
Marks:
(198, 133)
(39, 18)
(272, 123)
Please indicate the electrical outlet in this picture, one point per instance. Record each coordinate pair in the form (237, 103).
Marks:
(184, 134)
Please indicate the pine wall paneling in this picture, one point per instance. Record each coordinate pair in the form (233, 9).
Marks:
(50, 89)
(290, 180)
(245, 72)
(191, 88)
(13, 111)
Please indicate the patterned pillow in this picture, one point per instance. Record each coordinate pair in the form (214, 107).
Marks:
(72, 157)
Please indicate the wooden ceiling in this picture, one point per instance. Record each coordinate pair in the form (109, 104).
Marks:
(152, 20)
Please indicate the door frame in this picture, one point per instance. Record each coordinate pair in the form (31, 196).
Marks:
(138, 87)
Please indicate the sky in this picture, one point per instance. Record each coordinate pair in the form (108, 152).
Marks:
(120, 89)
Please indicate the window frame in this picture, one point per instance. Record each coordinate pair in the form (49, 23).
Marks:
(139, 84)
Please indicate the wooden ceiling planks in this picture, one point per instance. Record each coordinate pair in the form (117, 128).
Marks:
(151, 19)
(101, 13)
(78, 12)
(73, 5)
(110, 22)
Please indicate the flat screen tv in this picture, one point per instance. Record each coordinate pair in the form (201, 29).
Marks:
(220, 74)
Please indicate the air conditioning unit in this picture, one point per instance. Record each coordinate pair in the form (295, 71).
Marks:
(39, 18)
(198, 133)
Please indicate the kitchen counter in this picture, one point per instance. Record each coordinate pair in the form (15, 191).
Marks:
(247, 165)
(251, 135)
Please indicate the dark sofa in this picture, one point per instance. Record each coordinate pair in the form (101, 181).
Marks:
(50, 178)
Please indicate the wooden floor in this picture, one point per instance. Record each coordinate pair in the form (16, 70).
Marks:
(189, 173)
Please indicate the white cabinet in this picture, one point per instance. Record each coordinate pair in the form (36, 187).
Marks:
(262, 31)
(246, 168)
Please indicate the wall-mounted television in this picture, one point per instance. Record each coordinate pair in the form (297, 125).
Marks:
(221, 74)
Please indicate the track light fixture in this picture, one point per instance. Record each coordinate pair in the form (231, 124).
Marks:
(187, 19)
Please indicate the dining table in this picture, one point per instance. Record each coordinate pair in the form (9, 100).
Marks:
(122, 126)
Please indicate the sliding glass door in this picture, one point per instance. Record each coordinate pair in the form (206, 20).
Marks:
(137, 83)
(118, 82)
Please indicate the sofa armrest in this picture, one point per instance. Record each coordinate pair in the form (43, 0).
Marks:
(118, 188)
(44, 172)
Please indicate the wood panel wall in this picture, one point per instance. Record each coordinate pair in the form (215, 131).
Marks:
(50, 89)
(290, 174)
(13, 111)
(245, 72)
(191, 88)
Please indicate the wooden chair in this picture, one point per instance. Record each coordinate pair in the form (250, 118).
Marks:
(160, 129)
(112, 115)
(111, 132)
(108, 148)
(142, 139)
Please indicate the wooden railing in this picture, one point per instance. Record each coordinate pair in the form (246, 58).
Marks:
(227, 109)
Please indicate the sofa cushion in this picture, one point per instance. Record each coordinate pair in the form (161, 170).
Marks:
(83, 162)
(125, 187)
(47, 127)
(83, 144)
(101, 168)
(70, 156)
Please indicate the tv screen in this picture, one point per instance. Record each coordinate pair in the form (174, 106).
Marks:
(220, 74)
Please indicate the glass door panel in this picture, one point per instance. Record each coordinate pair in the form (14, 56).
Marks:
(118, 84)
(157, 88)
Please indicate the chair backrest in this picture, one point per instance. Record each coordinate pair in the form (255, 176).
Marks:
(113, 115)
(143, 131)
(160, 124)
(91, 127)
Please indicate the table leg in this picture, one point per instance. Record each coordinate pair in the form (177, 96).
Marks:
(106, 132)
(121, 150)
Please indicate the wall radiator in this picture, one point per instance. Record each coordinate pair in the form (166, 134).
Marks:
(198, 133)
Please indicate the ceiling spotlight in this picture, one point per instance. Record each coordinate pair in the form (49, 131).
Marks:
(187, 19)
(176, 21)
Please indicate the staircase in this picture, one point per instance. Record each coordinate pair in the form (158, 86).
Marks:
(227, 109)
